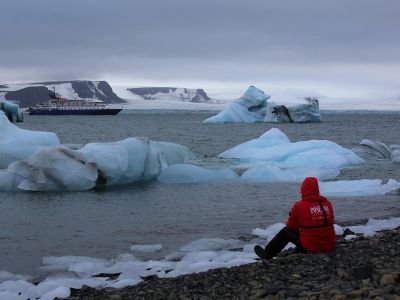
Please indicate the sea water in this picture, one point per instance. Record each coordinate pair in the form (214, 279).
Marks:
(105, 222)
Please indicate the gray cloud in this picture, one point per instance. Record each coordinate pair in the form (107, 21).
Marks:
(234, 41)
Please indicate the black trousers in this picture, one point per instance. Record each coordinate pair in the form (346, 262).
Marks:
(279, 242)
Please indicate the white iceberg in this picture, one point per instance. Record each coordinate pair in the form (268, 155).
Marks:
(254, 106)
(274, 146)
(249, 108)
(187, 173)
(63, 169)
(17, 144)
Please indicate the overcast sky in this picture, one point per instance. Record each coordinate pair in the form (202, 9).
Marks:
(340, 48)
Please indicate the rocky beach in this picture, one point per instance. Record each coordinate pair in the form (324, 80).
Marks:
(359, 268)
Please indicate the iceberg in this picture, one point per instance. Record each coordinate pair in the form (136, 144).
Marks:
(378, 150)
(275, 147)
(375, 149)
(249, 108)
(17, 144)
(64, 169)
(395, 153)
(12, 111)
(254, 106)
(274, 158)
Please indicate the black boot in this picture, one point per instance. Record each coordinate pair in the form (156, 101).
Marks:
(260, 251)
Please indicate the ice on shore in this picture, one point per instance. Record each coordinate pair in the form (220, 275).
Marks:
(17, 144)
(187, 173)
(254, 107)
(63, 169)
(198, 256)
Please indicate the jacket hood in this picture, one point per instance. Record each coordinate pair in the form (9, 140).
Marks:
(309, 188)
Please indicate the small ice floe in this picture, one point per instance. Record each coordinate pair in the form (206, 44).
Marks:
(363, 187)
(146, 248)
(395, 153)
(212, 244)
(375, 225)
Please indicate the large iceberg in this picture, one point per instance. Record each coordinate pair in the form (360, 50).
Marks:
(254, 106)
(17, 144)
(274, 158)
(63, 169)
(274, 146)
(249, 108)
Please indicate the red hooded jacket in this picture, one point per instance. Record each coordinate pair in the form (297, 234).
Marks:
(313, 217)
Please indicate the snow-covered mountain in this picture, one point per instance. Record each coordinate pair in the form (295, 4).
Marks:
(29, 94)
(172, 94)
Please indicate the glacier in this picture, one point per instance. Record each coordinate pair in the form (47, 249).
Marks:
(254, 107)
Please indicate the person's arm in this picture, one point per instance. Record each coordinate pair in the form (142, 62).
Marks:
(293, 221)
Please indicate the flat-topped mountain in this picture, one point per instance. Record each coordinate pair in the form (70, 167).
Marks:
(172, 93)
(29, 94)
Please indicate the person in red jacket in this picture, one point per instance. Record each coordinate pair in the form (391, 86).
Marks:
(309, 226)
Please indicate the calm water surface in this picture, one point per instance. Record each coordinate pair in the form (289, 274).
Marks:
(106, 222)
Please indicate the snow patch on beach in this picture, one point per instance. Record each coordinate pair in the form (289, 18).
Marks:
(124, 270)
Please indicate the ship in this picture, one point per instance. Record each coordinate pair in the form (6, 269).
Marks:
(62, 106)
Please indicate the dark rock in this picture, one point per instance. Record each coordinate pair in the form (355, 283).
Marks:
(362, 271)
(347, 231)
